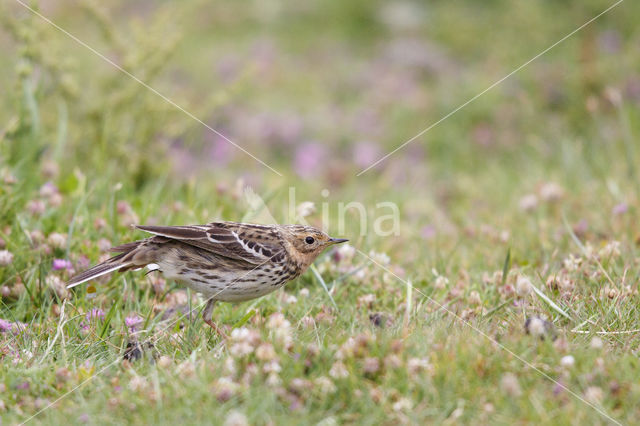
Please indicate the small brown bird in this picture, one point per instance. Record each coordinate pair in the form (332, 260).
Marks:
(224, 261)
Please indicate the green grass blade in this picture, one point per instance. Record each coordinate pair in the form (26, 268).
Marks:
(506, 266)
(108, 318)
(550, 302)
(245, 318)
(324, 285)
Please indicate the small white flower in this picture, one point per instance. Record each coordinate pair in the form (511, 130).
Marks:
(243, 341)
(325, 385)
(186, 369)
(306, 208)
(415, 365)
(236, 418)
(50, 169)
(164, 361)
(338, 371)
(392, 362)
(474, 298)
(291, 299)
(265, 352)
(380, 258)
(610, 251)
(328, 421)
(240, 349)
(367, 299)
(567, 361)
(596, 343)
(371, 365)
(104, 245)
(272, 367)
(528, 202)
(138, 383)
(230, 366)
(593, 394)
(273, 380)
(346, 251)
(36, 236)
(6, 257)
(441, 282)
(55, 200)
(57, 285)
(510, 385)
(536, 327)
(347, 349)
(403, 404)
(36, 207)
(57, 240)
(551, 191)
(572, 263)
(277, 320)
(523, 286)
(307, 321)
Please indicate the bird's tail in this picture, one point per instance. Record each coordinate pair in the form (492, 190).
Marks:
(132, 256)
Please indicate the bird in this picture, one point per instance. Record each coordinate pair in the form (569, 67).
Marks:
(223, 261)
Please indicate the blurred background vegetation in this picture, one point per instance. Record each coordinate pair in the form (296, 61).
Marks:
(319, 91)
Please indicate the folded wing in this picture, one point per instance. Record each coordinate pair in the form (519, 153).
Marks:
(255, 244)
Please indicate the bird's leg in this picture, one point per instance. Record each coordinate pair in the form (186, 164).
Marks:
(206, 316)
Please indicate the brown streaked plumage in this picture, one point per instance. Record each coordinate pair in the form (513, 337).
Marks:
(224, 261)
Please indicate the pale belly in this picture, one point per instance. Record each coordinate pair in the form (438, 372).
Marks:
(229, 287)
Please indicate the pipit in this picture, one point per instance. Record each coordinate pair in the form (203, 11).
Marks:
(224, 261)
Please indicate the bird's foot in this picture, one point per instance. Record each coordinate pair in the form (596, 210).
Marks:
(217, 329)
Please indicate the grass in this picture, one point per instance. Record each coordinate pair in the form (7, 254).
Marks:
(522, 205)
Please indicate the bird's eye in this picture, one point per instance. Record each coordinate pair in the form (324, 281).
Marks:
(309, 240)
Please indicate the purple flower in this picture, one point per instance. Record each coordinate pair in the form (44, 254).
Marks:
(61, 264)
(133, 321)
(619, 209)
(48, 189)
(365, 154)
(309, 159)
(367, 122)
(609, 41)
(15, 327)
(632, 89)
(428, 232)
(558, 389)
(182, 160)
(220, 150)
(95, 313)
(288, 128)
(83, 262)
(5, 325)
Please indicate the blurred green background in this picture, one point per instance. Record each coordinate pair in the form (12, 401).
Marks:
(320, 91)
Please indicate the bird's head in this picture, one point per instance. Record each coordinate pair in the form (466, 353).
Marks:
(305, 243)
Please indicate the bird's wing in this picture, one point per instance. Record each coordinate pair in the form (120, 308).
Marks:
(255, 244)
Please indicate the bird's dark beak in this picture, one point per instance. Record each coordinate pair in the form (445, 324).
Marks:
(337, 240)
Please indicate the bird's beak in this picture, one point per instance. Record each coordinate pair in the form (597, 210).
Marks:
(337, 240)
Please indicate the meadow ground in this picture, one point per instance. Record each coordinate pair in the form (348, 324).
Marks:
(520, 208)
